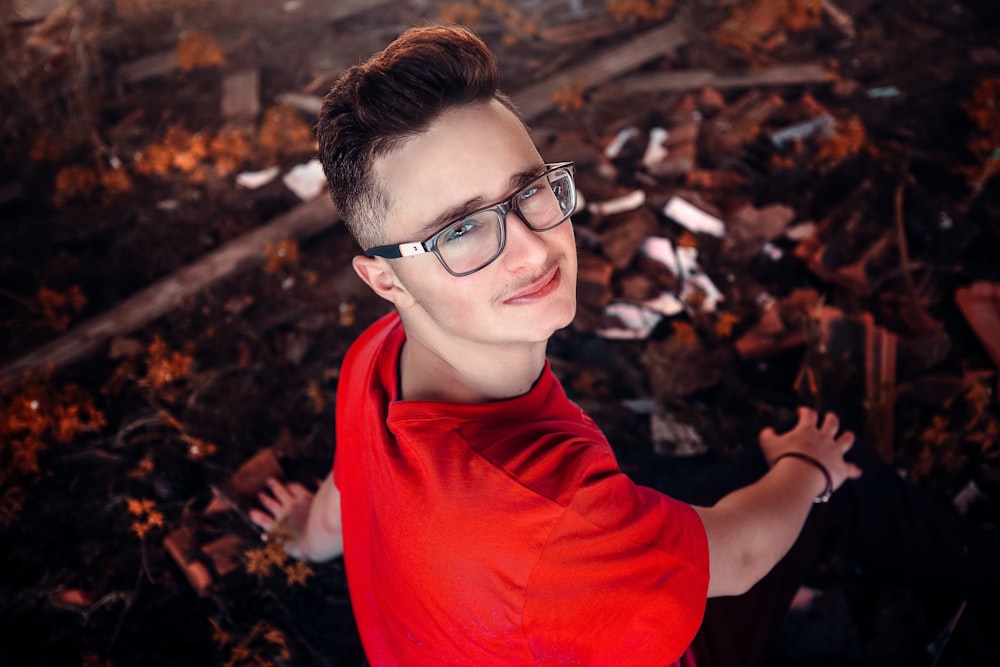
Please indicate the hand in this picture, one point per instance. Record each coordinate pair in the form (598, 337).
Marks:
(820, 441)
(287, 503)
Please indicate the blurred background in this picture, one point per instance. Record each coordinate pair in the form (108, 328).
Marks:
(785, 201)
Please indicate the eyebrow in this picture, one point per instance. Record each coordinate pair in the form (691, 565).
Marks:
(516, 182)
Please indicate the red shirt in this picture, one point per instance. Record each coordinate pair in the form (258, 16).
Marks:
(503, 533)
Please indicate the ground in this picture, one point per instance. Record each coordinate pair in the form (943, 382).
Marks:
(110, 181)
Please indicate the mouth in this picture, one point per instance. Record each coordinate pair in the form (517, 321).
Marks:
(539, 289)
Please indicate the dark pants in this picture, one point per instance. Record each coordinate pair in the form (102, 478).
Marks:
(885, 525)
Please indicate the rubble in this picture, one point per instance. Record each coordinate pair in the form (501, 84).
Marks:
(780, 203)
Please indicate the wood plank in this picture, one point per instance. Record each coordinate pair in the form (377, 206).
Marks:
(241, 94)
(779, 75)
(238, 255)
(342, 9)
(29, 11)
(537, 99)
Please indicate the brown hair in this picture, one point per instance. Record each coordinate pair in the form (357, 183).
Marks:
(376, 106)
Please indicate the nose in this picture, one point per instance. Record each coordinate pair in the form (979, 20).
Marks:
(524, 247)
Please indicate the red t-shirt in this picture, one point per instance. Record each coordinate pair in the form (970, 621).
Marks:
(503, 533)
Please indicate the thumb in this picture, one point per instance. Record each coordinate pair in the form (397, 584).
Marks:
(767, 436)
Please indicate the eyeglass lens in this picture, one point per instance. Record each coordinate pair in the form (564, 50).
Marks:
(474, 241)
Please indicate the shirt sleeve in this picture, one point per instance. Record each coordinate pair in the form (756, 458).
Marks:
(623, 578)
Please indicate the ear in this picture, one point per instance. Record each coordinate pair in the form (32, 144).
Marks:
(378, 274)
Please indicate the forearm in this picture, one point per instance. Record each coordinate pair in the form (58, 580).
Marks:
(752, 528)
(321, 538)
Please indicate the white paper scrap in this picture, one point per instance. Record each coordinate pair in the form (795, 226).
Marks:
(687, 262)
(638, 321)
(655, 151)
(251, 180)
(665, 304)
(629, 202)
(822, 125)
(662, 250)
(305, 180)
(672, 437)
(964, 499)
(614, 149)
(693, 218)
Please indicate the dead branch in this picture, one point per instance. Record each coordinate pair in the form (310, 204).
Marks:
(238, 255)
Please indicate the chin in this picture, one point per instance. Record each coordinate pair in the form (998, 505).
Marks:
(559, 314)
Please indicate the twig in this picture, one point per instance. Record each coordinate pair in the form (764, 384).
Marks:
(839, 18)
(129, 599)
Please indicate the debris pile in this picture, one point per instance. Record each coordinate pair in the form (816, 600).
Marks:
(781, 203)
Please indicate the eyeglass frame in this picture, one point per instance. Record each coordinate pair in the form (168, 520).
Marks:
(501, 208)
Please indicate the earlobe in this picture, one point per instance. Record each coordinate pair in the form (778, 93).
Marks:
(378, 275)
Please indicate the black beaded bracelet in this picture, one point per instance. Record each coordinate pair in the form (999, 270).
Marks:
(828, 491)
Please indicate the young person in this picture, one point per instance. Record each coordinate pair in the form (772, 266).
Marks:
(482, 515)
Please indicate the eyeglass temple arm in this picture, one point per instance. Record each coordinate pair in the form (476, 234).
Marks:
(396, 251)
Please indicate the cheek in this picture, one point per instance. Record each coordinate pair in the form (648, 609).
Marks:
(443, 296)
(568, 240)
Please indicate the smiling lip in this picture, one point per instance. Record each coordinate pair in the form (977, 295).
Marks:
(539, 289)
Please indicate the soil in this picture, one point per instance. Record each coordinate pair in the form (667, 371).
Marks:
(107, 185)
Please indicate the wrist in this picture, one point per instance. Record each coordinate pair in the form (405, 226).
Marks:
(827, 491)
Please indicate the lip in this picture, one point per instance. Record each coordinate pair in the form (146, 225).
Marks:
(539, 289)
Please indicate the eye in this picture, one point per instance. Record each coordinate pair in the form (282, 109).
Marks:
(528, 192)
(461, 230)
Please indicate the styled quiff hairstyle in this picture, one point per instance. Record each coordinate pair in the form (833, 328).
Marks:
(376, 106)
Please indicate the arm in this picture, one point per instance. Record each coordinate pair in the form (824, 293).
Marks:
(752, 528)
(314, 519)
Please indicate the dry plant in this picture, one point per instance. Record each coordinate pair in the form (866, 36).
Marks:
(849, 138)
(983, 108)
(572, 96)
(757, 27)
(516, 23)
(965, 438)
(52, 308)
(260, 561)
(263, 646)
(34, 415)
(639, 10)
(284, 132)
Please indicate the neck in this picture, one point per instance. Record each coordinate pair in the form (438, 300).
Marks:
(468, 376)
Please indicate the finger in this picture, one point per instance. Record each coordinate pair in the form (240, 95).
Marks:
(831, 423)
(845, 440)
(807, 416)
(279, 490)
(854, 471)
(275, 507)
(262, 519)
(767, 435)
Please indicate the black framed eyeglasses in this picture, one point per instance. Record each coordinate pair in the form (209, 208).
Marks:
(475, 240)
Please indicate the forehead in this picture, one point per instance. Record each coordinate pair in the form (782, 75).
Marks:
(467, 154)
